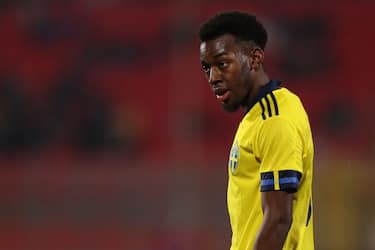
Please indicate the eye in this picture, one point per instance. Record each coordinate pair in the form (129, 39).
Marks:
(222, 65)
(206, 68)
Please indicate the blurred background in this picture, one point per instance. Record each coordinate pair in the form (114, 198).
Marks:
(111, 139)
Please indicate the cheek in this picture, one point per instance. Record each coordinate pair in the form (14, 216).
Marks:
(238, 79)
(243, 80)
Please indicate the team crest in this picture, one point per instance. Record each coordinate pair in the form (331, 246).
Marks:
(233, 159)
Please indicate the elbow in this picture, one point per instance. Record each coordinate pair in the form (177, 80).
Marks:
(280, 220)
(285, 219)
(283, 222)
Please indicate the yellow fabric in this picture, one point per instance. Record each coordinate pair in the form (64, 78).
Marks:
(272, 140)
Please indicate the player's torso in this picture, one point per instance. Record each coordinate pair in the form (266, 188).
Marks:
(244, 183)
(244, 196)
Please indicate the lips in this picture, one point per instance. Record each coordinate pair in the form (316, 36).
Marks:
(222, 94)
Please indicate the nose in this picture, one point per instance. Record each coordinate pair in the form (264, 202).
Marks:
(215, 76)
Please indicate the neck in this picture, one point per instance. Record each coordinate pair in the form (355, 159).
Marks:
(259, 81)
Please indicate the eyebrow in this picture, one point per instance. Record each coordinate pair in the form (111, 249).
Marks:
(220, 54)
(216, 56)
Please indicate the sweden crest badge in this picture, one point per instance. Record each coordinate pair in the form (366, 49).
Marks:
(233, 159)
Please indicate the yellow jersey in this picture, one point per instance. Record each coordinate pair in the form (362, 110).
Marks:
(272, 151)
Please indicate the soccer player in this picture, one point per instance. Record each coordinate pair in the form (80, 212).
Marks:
(271, 160)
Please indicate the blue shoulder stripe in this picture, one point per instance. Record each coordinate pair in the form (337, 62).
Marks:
(275, 103)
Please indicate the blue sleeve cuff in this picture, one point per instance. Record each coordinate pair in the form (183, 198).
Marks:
(289, 181)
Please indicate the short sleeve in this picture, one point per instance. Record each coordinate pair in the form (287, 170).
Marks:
(280, 153)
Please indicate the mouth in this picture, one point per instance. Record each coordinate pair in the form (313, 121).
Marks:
(222, 94)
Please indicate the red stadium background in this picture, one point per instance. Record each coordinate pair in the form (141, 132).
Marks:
(111, 139)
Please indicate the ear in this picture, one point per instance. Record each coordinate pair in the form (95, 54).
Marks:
(256, 58)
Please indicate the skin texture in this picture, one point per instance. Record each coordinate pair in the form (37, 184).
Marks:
(277, 212)
(237, 68)
(234, 66)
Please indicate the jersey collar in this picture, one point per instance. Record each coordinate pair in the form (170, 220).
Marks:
(268, 88)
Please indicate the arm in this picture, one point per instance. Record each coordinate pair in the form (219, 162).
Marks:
(280, 151)
(277, 210)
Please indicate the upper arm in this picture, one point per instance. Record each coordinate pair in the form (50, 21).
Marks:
(277, 219)
(277, 206)
(280, 150)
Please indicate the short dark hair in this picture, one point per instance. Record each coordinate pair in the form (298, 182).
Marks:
(242, 25)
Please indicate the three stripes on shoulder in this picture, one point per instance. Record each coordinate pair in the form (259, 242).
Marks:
(269, 106)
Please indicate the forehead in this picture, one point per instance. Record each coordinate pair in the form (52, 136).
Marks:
(223, 44)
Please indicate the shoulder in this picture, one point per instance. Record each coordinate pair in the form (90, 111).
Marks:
(281, 103)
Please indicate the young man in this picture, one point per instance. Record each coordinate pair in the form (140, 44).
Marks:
(271, 160)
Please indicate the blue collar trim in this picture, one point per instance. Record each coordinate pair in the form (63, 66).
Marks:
(268, 88)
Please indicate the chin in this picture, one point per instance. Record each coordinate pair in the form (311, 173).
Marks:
(230, 108)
